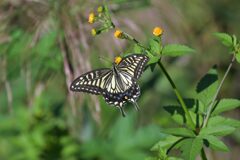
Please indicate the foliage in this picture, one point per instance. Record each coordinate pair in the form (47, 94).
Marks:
(195, 132)
(205, 111)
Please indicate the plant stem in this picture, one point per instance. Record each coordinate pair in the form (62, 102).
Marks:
(203, 154)
(217, 92)
(131, 38)
(188, 116)
(181, 101)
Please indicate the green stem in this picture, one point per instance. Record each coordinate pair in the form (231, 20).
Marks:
(174, 144)
(131, 38)
(181, 101)
(203, 154)
(217, 92)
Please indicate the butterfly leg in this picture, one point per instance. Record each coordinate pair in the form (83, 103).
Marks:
(135, 105)
(122, 111)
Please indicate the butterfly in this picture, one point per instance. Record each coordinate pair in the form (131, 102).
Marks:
(118, 85)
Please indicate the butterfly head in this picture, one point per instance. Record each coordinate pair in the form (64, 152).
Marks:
(117, 60)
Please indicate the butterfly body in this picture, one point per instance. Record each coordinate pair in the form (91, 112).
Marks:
(117, 85)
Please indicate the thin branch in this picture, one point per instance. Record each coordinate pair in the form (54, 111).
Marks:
(68, 74)
(217, 92)
(9, 96)
(3, 67)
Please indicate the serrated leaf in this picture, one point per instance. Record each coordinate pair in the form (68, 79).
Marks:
(225, 105)
(218, 120)
(225, 38)
(182, 132)
(137, 49)
(177, 114)
(176, 50)
(216, 143)
(153, 60)
(207, 86)
(219, 130)
(154, 46)
(197, 118)
(165, 143)
(191, 148)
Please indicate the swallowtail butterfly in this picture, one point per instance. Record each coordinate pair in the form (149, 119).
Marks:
(117, 85)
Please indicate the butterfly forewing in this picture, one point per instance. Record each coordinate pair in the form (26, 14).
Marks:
(92, 82)
(133, 65)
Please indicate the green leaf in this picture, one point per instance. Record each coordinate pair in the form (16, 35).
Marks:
(165, 143)
(152, 66)
(137, 49)
(219, 130)
(182, 132)
(234, 40)
(176, 50)
(216, 143)
(191, 147)
(238, 57)
(153, 60)
(154, 46)
(207, 86)
(177, 114)
(46, 43)
(218, 120)
(226, 105)
(225, 38)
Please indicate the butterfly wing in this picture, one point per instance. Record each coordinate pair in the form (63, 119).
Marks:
(117, 85)
(93, 82)
(133, 65)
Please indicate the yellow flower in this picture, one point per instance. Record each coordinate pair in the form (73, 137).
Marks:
(94, 32)
(118, 34)
(157, 31)
(118, 59)
(91, 18)
(100, 9)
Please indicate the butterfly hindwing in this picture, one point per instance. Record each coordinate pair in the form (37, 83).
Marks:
(119, 99)
(133, 65)
(92, 82)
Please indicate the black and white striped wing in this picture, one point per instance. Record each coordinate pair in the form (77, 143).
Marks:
(133, 65)
(92, 82)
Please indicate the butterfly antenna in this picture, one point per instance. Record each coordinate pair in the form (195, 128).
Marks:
(122, 112)
(105, 59)
(136, 106)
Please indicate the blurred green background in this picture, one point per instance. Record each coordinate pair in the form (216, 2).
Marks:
(44, 44)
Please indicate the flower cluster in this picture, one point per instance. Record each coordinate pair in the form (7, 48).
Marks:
(101, 19)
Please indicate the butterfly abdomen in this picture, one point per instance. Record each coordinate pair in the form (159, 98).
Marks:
(119, 99)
